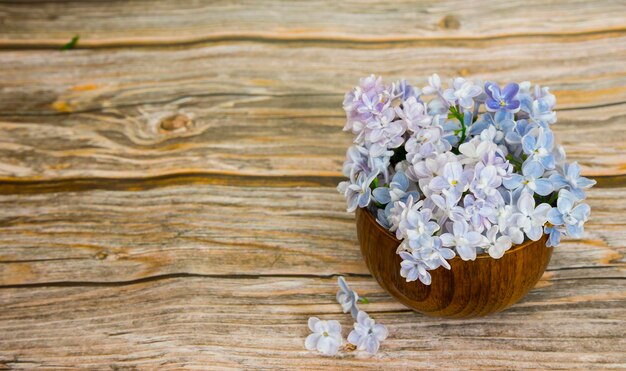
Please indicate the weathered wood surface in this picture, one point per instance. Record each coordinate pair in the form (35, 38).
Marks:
(167, 189)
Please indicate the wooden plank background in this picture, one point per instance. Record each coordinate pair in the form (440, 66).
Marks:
(167, 187)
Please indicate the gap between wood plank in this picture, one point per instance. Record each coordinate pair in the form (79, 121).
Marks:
(13, 186)
(287, 39)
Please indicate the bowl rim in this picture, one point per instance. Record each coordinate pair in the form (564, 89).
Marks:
(483, 255)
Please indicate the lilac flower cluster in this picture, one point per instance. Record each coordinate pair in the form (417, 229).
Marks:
(472, 170)
(326, 337)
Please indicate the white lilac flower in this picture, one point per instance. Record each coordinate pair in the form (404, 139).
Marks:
(486, 181)
(413, 267)
(448, 206)
(453, 177)
(398, 190)
(465, 240)
(566, 214)
(358, 194)
(530, 180)
(530, 219)
(497, 246)
(475, 150)
(413, 114)
(347, 298)
(462, 93)
(572, 180)
(326, 337)
(506, 218)
(434, 85)
(367, 334)
(540, 148)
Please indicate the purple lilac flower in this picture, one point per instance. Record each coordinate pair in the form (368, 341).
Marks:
(465, 240)
(529, 218)
(539, 148)
(326, 336)
(481, 213)
(572, 180)
(502, 100)
(367, 335)
(568, 215)
(414, 115)
(356, 162)
(402, 90)
(530, 180)
(462, 93)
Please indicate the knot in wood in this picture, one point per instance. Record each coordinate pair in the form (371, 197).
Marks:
(175, 122)
(450, 22)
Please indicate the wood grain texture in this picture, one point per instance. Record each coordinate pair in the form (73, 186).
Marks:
(468, 289)
(118, 236)
(167, 190)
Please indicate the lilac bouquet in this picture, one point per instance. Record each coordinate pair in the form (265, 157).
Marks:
(472, 170)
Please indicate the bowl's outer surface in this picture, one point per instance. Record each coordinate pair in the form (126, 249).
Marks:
(470, 289)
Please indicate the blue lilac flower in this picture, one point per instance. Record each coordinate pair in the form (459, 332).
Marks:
(402, 90)
(367, 334)
(568, 215)
(326, 337)
(540, 148)
(448, 206)
(481, 213)
(501, 123)
(530, 180)
(358, 194)
(554, 233)
(572, 180)
(502, 100)
(347, 297)
(433, 253)
(398, 190)
(413, 267)
(514, 137)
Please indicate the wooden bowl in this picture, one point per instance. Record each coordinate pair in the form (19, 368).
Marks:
(470, 289)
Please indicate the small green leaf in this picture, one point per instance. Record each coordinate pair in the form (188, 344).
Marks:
(364, 300)
(71, 44)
